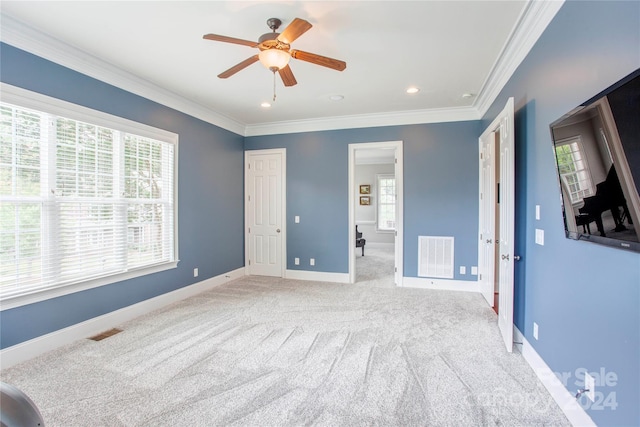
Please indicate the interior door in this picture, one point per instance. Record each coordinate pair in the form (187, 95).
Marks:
(264, 212)
(487, 244)
(506, 232)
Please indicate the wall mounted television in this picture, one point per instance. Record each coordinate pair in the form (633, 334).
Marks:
(597, 152)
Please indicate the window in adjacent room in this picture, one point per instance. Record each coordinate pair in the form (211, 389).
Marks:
(86, 198)
(386, 202)
(573, 168)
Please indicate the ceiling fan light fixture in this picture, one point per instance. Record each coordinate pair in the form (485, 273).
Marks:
(274, 59)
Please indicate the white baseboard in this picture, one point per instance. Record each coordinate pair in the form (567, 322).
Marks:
(441, 284)
(29, 349)
(575, 413)
(318, 276)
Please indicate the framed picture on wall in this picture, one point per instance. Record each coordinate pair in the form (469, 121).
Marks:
(365, 189)
(365, 200)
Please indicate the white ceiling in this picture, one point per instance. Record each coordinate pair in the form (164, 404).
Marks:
(155, 48)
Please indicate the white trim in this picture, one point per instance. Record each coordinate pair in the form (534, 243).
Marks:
(399, 174)
(575, 413)
(317, 276)
(532, 22)
(391, 118)
(37, 295)
(29, 349)
(27, 38)
(441, 284)
(36, 101)
(535, 18)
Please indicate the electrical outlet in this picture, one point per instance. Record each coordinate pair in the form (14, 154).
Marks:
(296, 261)
(463, 269)
(590, 386)
(296, 219)
(474, 270)
(535, 330)
(540, 237)
(312, 261)
(195, 272)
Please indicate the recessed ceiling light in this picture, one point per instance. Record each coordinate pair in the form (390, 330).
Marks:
(265, 105)
(336, 97)
(413, 89)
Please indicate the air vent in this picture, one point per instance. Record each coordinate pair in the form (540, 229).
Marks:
(106, 334)
(435, 256)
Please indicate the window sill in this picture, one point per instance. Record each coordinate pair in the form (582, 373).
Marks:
(38, 295)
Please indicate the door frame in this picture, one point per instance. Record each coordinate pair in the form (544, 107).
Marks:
(283, 228)
(353, 198)
(486, 263)
(503, 125)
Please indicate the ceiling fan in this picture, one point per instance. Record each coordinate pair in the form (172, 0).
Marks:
(275, 51)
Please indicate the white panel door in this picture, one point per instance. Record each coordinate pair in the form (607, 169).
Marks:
(507, 232)
(486, 247)
(264, 214)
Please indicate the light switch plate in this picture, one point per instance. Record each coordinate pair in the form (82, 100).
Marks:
(538, 212)
(540, 237)
(297, 219)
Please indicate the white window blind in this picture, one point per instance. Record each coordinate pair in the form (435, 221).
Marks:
(80, 201)
(386, 202)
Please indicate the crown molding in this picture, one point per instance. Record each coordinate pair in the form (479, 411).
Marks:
(392, 118)
(532, 22)
(24, 37)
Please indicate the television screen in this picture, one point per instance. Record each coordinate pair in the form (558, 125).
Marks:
(597, 151)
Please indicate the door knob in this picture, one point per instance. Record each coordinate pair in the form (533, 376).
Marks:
(516, 257)
(278, 230)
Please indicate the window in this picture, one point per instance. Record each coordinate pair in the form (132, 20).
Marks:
(85, 200)
(386, 202)
(572, 165)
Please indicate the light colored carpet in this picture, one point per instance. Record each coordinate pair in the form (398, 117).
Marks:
(273, 352)
(376, 266)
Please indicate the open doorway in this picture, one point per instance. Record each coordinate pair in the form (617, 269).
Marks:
(375, 211)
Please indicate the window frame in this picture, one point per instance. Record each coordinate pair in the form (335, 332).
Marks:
(563, 176)
(46, 104)
(379, 177)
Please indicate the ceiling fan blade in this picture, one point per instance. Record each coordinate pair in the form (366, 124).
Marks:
(287, 76)
(244, 64)
(294, 30)
(218, 38)
(318, 59)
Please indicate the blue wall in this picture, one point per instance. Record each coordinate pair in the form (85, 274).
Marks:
(584, 297)
(210, 203)
(440, 191)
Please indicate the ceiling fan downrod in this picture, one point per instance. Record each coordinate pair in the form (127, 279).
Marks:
(274, 23)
